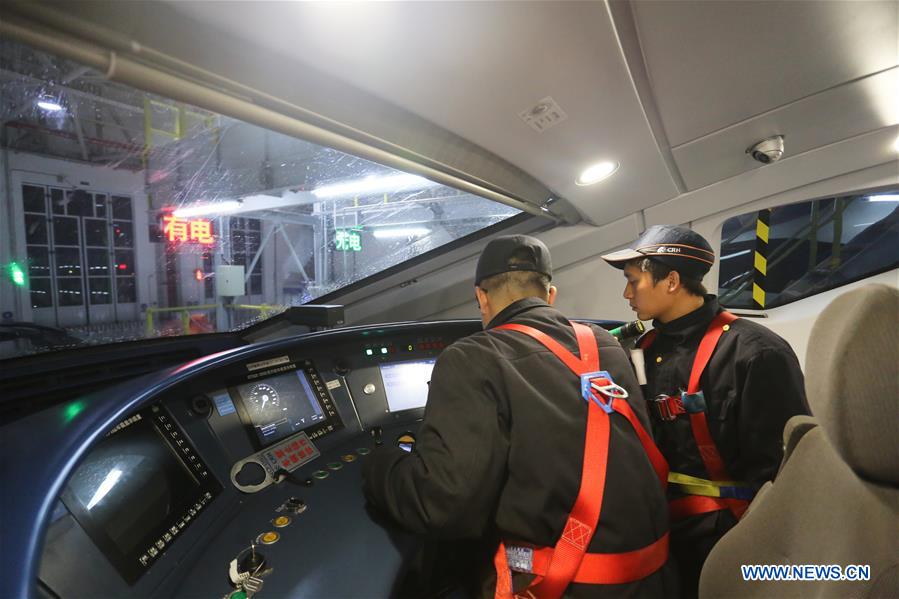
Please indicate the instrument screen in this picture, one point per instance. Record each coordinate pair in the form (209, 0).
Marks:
(280, 406)
(406, 383)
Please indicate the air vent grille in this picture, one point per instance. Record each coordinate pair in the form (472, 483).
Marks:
(544, 114)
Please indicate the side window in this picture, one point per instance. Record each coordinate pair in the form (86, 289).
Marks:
(779, 255)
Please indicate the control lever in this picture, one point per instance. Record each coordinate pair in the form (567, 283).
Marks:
(376, 433)
(254, 562)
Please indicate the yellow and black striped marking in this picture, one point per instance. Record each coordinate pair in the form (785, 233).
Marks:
(760, 263)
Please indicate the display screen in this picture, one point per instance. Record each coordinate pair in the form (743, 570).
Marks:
(130, 489)
(280, 406)
(131, 482)
(406, 383)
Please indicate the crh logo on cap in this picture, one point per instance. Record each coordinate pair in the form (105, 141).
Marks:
(667, 249)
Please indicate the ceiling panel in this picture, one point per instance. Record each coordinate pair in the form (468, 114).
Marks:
(713, 64)
(848, 110)
(471, 68)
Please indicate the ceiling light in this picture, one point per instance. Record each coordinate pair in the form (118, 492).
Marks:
(204, 209)
(49, 105)
(597, 173)
(400, 232)
(884, 198)
(372, 184)
(896, 144)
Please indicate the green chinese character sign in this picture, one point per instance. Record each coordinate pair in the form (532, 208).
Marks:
(347, 240)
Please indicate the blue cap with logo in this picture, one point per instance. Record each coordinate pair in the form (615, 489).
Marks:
(680, 248)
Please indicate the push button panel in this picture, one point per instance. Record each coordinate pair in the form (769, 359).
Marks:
(291, 454)
(288, 455)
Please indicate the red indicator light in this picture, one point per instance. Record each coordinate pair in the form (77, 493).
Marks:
(122, 266)
(198, 274)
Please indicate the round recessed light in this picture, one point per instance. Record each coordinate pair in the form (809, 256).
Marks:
(596, 173)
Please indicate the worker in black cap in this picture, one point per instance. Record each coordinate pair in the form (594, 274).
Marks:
(720, 390)
(535, 443)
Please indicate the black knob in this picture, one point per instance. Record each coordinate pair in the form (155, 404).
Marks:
(376, 433)
(253, 562)
(341, 367)
(201, 406)
(250, 474)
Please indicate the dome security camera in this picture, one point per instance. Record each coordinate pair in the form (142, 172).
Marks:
(770, 149)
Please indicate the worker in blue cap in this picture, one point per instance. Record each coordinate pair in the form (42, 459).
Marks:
(720, 390)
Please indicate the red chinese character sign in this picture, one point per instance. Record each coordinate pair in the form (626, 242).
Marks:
(187, 230)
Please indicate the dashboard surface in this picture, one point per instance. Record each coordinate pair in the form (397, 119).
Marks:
(244, 463)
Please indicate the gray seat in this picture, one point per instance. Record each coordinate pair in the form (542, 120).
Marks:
(836, 498)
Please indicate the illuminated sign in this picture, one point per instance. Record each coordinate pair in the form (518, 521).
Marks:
(347, 240)
(187, 230)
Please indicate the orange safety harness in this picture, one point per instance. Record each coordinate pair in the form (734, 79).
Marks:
(693, 403)
(567, 562)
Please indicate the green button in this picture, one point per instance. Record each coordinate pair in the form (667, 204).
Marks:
(363, 451)
(238, 595)
(334, 466)
(320, 474)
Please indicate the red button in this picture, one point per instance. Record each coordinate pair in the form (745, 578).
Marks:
(302, 441)
(308, 451)
(285, 462)
(295, 445)
(279, 453)
(293, 458)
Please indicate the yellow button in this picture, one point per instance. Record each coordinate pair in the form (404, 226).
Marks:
(658, 359)
(268, 538)
(281, 521)
(725, 327)
(348, 458)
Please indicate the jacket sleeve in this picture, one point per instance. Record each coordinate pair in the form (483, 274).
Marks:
(449, 484)
(773, 391)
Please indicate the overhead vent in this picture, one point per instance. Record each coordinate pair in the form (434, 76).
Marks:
(543, 115)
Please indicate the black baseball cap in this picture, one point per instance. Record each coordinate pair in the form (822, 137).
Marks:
(513, 252)
(680, 248)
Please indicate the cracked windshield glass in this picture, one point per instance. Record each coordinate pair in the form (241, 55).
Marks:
(127, 215)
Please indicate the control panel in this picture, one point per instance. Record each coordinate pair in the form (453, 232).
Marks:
(256, 472)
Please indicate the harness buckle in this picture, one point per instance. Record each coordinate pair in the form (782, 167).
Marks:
(663, 408)
(598, 385)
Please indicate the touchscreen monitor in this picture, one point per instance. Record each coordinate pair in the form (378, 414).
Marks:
(406, 383)
(280, 406)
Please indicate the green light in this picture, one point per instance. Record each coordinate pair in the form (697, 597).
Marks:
(368, 352)
(72, 410)
(16, 274)
(383, 350)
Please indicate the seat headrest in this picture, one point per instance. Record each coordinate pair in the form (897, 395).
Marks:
(852, 379)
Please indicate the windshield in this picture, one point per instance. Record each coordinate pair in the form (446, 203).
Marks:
(131, 216)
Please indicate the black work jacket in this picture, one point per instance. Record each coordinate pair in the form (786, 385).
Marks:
(500, 451)
(752, 386)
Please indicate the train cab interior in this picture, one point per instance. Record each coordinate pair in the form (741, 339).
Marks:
(236, 236)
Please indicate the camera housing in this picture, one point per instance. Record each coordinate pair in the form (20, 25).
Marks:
(770, 149)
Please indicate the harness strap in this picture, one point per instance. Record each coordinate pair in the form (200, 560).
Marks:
(694, 505)
(561, 564)
(606, 568)
(705, 443)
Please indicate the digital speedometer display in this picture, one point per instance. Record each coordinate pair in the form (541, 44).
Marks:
(280, 406)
